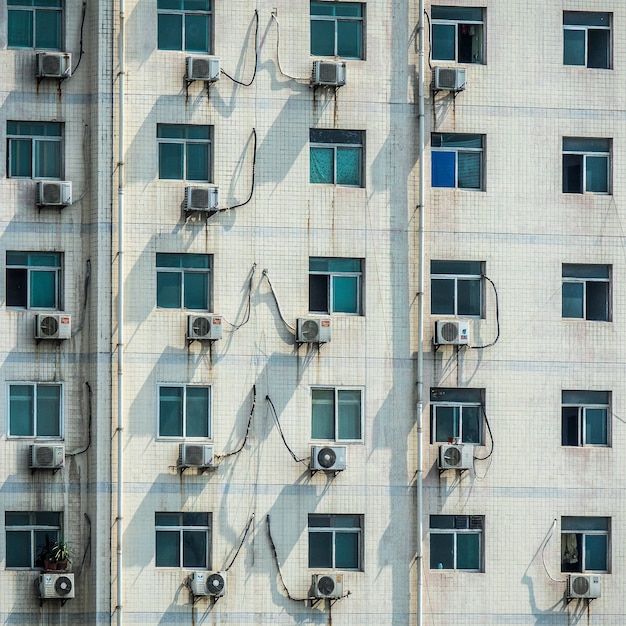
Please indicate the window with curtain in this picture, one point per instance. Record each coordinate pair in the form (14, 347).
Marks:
(585, 544)
(336, 414)
(184, 281)
(335, 285)
(335, 541)
(336, 157)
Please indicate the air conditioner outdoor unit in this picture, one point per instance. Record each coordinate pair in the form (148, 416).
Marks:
(313, 330)
(60, 586)
(54, 193)
(451, 332)
(54, 65)
(216, 584)
(206, 68)
(196, 455)
(204, 327)
(450, 78)
(456, 456)
(53, 326)
(329, 73)
(328, 585)
(47, 456)
(328, 458)
(584, 586)
(201, 198)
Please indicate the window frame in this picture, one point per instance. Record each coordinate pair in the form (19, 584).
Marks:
(582, 407)
(336, 19)
(332, 274)
(56, 270)
(440, 392)
(456, 150)
(589, 532)
(336, 412)
(584, 280)
(184, 406)
(184, 13)
(335, 530)
(183, 271)
(584, 155)
(32, 527)
(586, 28)
(35, 140)
(455, 532)
(186, 142)
(183, 528)
(336, 146)
(457, 23)
(34, 417)
(456, 277)
(37, 12)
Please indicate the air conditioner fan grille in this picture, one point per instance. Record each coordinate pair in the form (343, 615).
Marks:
(194, 455)
(52, 64)
(310, 330)
(326, 585)
(326, 457)
(449, 331)
(215, 584)
(201, 327)
(44, 455)
(63, 585)
(580, 585)
(48, 326)
(452, 456)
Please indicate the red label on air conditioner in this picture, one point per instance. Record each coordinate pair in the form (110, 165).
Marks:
(325, 323)
(65, 320)
(217, 321)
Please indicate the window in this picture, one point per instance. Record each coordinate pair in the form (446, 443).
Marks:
(184, 411)
(34, 149)
(457, 414)
(586, 165)
(337, 29)
(34, 24)
(587, 39)
(585, 544)
(456, 542)
(185, 152)
(456, 288)
(457, 34)
(457, 160)
(34, 410)
(185, 25)
(27, 534)
(586, 291)
(183, 540)
(336, 414)
(336, 157)
(33, 280)
(184, 281)
(335, 285)
(335, 541)
(585, 418)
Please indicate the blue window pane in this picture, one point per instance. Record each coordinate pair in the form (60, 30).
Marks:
(197, 33)
(322, 38)
(322, 8)
(345, 294)
(20, 29)
(469, 174)
(323, 414)
(198, 161)
(48, 29)
(596, 427)
(349, 39)
(171, 412)
(18, 548)
(169, 287)
(322, 165)
(442, 169)
(597, 174)
(171, 161)
(349, 166)
(443, 42)
(194, 549)
(167, 548)
(42, 290)
(574, 47)
(21, 157)
(596, 552)
(320, 549)
(573, 294)
(349, 414)
(468, 551)
(48, 410)
(170, 32)
(346, 550)
(441, 551)
(586, 18)
(447, 423)
(21, 410)
(196, 261)
(196, 291)
(47, 159)
(197, 412)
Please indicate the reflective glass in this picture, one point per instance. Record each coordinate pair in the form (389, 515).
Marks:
(47, 159)
(349, 414)
(21, 157)
(197, 33)
(20, 29)
(48, 29)
(597, 174)
(198, 161)
(596, 427)
(443, 42)
(322, 414)
(48, 410)
(167, 548)
(471, 424)
(442, 296)
(323, 38)
(169, 286)
(197, 412)
(349, 39)
(446, 423)
(171, 412)
(18, 548)
(469, 170)
(345, 294)
(43, 289)
(196, 291)
(573, 294)
(469, 298)
(441, 551)
(171, 161)
(457, 13)
(596, 553)
(21, 410)
(170, 31)
(468, 551)
(346, 550)
(320, 549)
(194, 548)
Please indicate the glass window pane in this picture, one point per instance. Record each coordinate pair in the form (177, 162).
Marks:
(573, 300)
(596, 552)
(195, 261)
(345, 294)
(322, 8)
(167, 548)
(171, 161)
(48, 29)
(197, 412)
(457, 13)
(196, 33)
(323, 38)
(171, 412)
(169, 289)
(349, 166)
(470, 170)
(468, 551)
(586, 144)
(347, 550)
(322, 165)
(43, 289)
(572, 173)
(349, 414)
(473, 268)
(597, 301)
(18, 548)
(570, 427)
(48, 410)
(318, 293)
(167, 519)
(48, 159)
(169, 260)
(441, 551)
(446, 423)
(196, 291)
(170, 35)
(470, 43)
(596, 427)
(471, 424)
(21, 157)
(16, 288)
(443, 42)
(320, 521)
(198, 161)
(20, 29)
(585, 397)
(194, 548)
(322, 414)
(348, 9)
(573, 47)
(349, 39)
(469, 297)
(341, 264)
(442, 296)
(597, 174)
(598, 42)
(574, 522)
(21, 410)
(442, 169)
(171, 131)
(320, 549)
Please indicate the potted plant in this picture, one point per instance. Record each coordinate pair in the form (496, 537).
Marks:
(45, 558)
(61, 554)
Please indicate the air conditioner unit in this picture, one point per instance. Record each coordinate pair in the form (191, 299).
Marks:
(60, 586)
(450, 78)
(328, 458)
(206, 68)
(329, 73)
(456, 456)
(47, 456)
(201, 198)
(196, 455)
(204, 327)
(451, 332)
(313, 330)
(328, 585)
(584, 586)
(53, 326)
(54, 65)
(54, 193)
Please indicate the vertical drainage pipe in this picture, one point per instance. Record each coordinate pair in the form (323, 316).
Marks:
(120, 320)
(420, 321)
